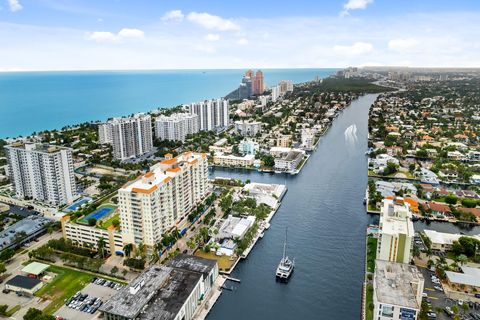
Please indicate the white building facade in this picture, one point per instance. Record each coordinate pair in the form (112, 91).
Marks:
(131, 136)
(396, 231)
(42, 172)
(176, 127)
(248, 129)
(151, 205)
(212, 114)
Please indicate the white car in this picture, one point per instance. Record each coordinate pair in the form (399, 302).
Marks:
(460, 302)
(438, 288)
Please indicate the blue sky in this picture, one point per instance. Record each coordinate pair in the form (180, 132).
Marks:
(120, 34)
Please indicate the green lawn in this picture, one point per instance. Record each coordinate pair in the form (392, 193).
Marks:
(108, 223)
(63, 286)
(371, 253)
(369, 303)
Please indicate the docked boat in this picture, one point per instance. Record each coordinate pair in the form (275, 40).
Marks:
(267, 225)
(286, 266)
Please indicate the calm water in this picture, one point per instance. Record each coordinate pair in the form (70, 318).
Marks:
(326, 226)
(35, 101)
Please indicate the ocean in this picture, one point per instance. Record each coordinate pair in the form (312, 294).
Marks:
(36, 101)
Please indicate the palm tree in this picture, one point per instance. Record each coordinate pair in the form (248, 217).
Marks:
(127, 249)
(462, 259)
(101, 246)
(141, 249)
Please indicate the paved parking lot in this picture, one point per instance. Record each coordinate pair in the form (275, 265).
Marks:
(439, 300)
(93, 290)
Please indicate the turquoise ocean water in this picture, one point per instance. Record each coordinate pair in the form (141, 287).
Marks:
(35, 101)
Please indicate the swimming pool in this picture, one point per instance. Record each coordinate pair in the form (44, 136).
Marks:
(77, 204)
(98, 214)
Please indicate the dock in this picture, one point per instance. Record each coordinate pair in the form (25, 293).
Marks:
(234, 279)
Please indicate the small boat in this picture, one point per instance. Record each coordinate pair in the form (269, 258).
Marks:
(261, 235)
(286, 266)
(267, 225)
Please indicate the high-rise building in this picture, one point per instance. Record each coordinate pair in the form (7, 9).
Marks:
(257, 80)
(130, 136)
(396, 231)
(151, 205)
(285, 86)
(105, 133)
(275, 93)
(42, 172)
(212, 114)
(176, 127)
(308, 139)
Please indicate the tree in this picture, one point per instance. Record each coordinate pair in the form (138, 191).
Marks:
(35, 314)
(101, 246)
(462, 259)
(7, 254)
(451, 199)
(2, 268)
(92, 222)
(114, 270)
(127, 249)
(469, 203)
(116, 223)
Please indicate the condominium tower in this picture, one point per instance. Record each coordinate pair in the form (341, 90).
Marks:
(212, 114)
(42, 172)
(176, 127)
(130, 137)
(396, 231)
(152, 204)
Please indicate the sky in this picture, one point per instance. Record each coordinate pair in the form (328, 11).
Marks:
(216, 34)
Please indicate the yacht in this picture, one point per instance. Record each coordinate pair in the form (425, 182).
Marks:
(286, 266)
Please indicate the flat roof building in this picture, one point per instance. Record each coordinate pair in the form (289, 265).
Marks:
(163, 292)
(397, 291)
(35, 268)
(23, 231)
(24, 284)
(442, 241)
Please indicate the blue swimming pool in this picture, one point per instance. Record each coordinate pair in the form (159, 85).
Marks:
(77, 204)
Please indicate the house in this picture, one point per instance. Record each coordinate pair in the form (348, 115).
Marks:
(438, 209)
(468, 280)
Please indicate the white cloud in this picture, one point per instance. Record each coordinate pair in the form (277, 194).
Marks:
(14, 5)
(173, 16)
(403, 45)
(356, 4)
(109, 37)
(212, 22)
(358, 48)
(212, 37)
(242, 41)
(131, 33)
(102, 36)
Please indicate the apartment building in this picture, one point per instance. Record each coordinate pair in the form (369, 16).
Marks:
(152, 204)
(42, 172)
(229, 160)
(308, 139)
(396, 236)
(131, 137)
(248, 128)
(176, 126)
(212, 114)
(105, 133)
(397, 291)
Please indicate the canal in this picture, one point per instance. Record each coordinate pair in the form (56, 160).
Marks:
(326, 222)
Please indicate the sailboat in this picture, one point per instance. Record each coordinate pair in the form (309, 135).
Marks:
(286, 266)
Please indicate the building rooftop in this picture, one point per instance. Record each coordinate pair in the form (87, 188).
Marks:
(161, 173)
(158, 293)
(193, 263)
(445, 238)
(38, 147)
(395, 283)
(469, 277)
(29, 225)
(35, 268)
(23, 282)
